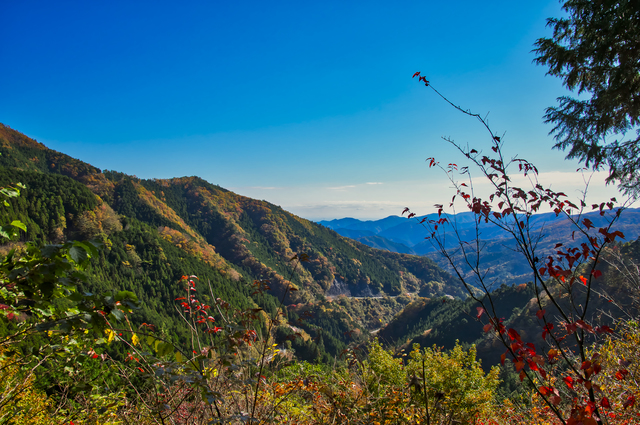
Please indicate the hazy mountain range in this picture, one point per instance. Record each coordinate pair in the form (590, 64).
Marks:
(502, 262)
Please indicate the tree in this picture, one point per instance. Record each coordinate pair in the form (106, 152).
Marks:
(596, 51)
(559, 365)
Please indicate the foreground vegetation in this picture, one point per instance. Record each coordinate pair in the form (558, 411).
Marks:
(100, 369)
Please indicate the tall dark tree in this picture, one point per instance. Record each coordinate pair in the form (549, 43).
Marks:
(595, 50)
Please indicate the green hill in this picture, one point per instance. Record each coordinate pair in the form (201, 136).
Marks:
(156, 231)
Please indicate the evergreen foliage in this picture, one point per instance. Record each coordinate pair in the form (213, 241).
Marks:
(594, 50)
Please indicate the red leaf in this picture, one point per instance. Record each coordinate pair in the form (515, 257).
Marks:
(540, 314)
(584, 280)
(545, 391)
(568, 381)
(514, 335)
(596, 273)
(487, 327)
(584, 326)
(605, 403)
(480, 312)
(621, 374)
(630, 402)
(555, 400)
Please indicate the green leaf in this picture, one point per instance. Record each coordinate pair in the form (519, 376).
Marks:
(117, 314)
(179, 357)
(78, 254)
(75, 296)
(164, 349)
(88, 247)
(19, 225)
(126, 295)
(50, 250)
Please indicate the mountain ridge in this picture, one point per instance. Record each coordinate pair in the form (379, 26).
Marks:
(157, 230)
(499, 253)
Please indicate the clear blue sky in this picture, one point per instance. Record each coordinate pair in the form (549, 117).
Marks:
(309, 105)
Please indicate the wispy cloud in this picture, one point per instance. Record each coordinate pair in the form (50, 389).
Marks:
(375, 183)
(342, 187)
(364, 210)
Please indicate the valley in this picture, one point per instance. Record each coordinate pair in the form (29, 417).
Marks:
(325, 295)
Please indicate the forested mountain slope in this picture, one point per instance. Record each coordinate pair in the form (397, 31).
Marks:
(443, 321)
(155, 231)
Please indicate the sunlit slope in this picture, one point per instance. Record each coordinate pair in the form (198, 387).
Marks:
(157, 230)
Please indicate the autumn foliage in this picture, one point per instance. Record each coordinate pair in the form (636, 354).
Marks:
(565, 366)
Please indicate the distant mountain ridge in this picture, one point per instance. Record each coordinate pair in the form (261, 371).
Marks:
(399, 234)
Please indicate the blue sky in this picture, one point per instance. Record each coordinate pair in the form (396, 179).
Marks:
(309, 105)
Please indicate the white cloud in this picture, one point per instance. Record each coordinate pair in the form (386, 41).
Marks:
(342, 187)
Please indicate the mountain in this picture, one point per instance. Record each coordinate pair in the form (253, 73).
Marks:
(157, 230)
(373, 226)
(499, 256)
(443, 321)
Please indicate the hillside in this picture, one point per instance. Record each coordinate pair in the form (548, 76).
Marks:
(443, 321)
(156, 231)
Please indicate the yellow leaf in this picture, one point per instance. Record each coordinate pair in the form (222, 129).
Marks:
(135, 340)
(110, 335)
